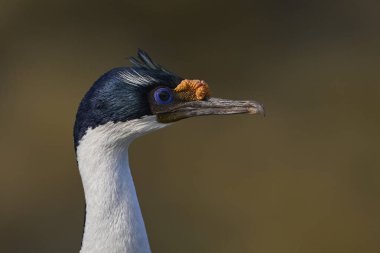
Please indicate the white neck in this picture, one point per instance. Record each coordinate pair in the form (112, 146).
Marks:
(114, 221)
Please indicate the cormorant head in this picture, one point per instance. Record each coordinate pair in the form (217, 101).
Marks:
(146, 90)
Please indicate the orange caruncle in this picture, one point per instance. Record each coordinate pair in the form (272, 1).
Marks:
(190, 90)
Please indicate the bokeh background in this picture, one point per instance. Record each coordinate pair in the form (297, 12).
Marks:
(303, 179)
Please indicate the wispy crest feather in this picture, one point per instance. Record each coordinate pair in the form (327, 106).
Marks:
(146, 72)
(136, 78)
(144, 61)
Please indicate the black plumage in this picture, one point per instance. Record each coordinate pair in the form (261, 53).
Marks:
(121, 94)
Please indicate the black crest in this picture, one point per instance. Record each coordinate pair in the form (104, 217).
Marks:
(144, 61)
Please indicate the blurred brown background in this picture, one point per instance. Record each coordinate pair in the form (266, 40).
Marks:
(303, 179)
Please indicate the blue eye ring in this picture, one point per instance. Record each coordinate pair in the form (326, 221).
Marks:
(163, 96)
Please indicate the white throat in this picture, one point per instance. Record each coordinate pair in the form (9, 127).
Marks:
(114, 222)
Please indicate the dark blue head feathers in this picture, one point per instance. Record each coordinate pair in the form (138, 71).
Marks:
(121, 94)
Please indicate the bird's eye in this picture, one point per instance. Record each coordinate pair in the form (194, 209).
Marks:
(163, 96)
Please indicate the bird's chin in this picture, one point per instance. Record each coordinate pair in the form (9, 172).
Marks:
(210, 106)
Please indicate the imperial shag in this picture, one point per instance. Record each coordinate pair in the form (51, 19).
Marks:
(122, 105)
